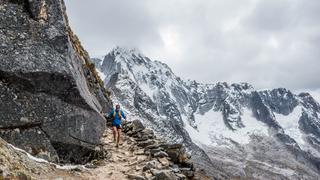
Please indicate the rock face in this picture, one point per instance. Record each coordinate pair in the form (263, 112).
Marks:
(233, 126)
(50, 94)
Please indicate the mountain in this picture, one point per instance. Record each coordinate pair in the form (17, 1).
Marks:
(232, 130)
(51, 104)
(50, 94)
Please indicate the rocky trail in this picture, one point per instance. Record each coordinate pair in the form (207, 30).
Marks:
(141, 156)
(122, 161)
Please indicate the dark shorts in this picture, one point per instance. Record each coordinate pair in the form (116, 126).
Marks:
(118, 126)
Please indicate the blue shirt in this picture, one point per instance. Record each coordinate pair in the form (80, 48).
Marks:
(117, 119)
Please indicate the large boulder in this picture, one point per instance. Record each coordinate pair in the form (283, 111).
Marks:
(50, 94)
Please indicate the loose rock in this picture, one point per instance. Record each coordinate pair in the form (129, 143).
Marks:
(181, 176)
(164, 161)
(145, 143)
(165, 175)
(137, 125)
(161, 154)
(135, 177)
(150, 165)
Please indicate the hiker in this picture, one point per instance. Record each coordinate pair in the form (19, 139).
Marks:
(116, 115)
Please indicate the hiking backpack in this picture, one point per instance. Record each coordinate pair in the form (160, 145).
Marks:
(119, 114)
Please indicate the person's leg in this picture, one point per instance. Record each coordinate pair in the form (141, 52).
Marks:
(119, 135)
(114, 130)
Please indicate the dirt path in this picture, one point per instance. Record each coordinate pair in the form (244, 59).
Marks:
(126, 159)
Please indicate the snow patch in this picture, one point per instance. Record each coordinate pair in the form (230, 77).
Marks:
(198, 137)
(212, 129)
(140, 69)
(40, 160)
(146, 89)
(29, 155)
(290, 124)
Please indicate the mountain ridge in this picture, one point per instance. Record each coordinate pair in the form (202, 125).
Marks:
(151, 90)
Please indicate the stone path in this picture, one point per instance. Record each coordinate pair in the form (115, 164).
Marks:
(124, 160)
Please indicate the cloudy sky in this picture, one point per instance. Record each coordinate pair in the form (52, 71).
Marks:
(268, 43)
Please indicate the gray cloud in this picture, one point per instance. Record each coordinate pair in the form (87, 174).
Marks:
(266, 43)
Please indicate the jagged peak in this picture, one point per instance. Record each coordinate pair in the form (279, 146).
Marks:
(308, 100)
(304, 94)
(130, 56)
(118, 50)
(277, 91)
(127, 56)
(132, 60)
(243, 85)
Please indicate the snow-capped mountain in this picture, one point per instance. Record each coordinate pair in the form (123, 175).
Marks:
(230, 129)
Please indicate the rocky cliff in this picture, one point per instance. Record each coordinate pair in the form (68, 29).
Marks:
(50, 94)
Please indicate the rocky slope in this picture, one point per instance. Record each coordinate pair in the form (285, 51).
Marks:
(141, 156)
(15, 163)
(250, 133)
(50, 94)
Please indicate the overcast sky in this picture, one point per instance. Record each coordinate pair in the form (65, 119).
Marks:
(268, 43)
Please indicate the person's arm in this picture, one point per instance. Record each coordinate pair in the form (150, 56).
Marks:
(124, 116)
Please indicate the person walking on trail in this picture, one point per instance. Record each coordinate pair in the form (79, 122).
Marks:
(117, 115)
